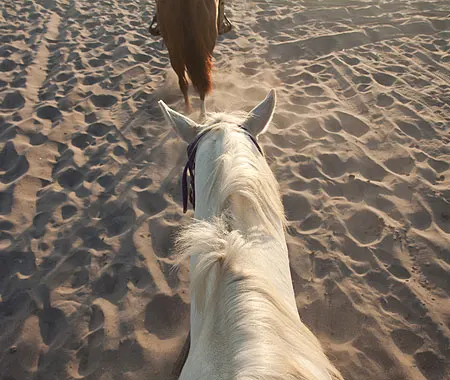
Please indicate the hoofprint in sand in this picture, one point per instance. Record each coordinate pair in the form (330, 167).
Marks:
(90, 181)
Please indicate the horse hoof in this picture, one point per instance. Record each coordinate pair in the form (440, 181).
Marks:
(154, 31)
(226, 26)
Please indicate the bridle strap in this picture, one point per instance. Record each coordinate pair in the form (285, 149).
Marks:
(189, 191)
(252, 138)
(190, 167)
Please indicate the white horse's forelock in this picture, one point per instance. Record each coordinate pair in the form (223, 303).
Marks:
(250, 305)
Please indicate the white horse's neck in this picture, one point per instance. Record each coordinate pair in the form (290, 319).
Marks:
(244, 319)
(233, 178)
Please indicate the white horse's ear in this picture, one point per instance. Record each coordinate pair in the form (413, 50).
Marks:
(184, 126)
(260, 117)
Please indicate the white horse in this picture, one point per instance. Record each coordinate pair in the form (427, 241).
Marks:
(244, 319)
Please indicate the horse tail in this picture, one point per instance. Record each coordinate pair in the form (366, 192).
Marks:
(198, 46)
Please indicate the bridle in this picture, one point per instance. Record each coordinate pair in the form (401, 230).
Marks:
(189, 190)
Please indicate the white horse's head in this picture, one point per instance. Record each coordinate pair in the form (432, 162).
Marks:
(229, 166)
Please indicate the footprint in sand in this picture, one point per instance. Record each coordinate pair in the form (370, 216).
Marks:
(351, 61)
(316, 68)
(103, 101)
(409, 129)
(441, 212)
(52, 321)
(419, 217)
(384, 100)
(64, 76)
(297, 206)
(365, 226)
(142, 182)
(9, 132)
(23, 262)
(112, 284)
(371, 170)
(14, 165)
(49, 113)
(75, 266)
(379, 280)
(70, 178)
(98, 129)
(82, 140)
(12, 100)
(355, 251)
(313, 128)
(335, 315)
(6, 225)
(166, 316)
(8, 156)
(131, 355)
(38, 139)
(79, 278)
(90, 80)
(151, 202)
(141, 278)
(371, 346)
(95, 62)
(331, 124)
(323, 267)
(312, 222)
(7, 65)
(117, 218)
(438, 165)
(362, 79)
(398, 270)
(97, 318)
(90, 356)
(412, 310)
(431, 365)
(352, 125)
(40, 222)
(406, 340)
(314, 90)
(106, 181)
(332, 165)
(91, 238)
(400, 165)
(119, 151)
(384, 79)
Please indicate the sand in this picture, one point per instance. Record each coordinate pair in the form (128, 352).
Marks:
(90, 181)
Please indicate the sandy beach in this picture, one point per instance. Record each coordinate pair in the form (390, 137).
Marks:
(90, 181)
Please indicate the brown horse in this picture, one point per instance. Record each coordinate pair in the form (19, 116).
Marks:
(189, 30)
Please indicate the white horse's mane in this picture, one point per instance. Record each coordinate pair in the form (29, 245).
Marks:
(250, 306)
(244, 172)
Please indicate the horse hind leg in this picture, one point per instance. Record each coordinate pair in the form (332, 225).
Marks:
(184, 87)
(202, 107)
(180, 70)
